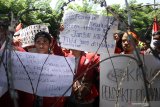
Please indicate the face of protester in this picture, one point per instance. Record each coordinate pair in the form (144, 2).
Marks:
(116, 37)
(127, 45)
(42, 45)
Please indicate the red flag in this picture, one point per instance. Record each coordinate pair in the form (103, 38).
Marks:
(156, 26)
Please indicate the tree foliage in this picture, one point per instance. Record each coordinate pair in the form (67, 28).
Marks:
(85, 7)
(30, 12)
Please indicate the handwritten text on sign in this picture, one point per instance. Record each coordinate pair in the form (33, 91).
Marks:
(83, 31)
(56, 75)
(130, 82)
(28, 34)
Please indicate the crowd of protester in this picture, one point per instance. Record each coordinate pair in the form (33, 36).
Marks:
(85, 89)
(128, 42)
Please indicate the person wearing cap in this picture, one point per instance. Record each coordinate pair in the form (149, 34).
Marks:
(129, 39)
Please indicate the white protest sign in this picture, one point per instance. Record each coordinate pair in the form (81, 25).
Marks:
(27, 34)
(83, 31)
(55, 74)
(130, 82)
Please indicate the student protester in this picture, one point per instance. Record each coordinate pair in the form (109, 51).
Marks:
(118, 40)
(155, 43)
(43, 43)
(128, 41)
(86, 87)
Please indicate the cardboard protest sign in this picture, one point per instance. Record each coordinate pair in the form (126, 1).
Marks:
(27, 34)
(131, 90)
(55, 74)
(86, 32)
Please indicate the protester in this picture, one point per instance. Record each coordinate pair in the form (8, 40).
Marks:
(155, 43)
(118, 40)
(43, 43)
(128, 41)
(85, 89)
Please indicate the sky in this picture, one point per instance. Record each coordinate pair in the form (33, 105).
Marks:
(110, 2)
